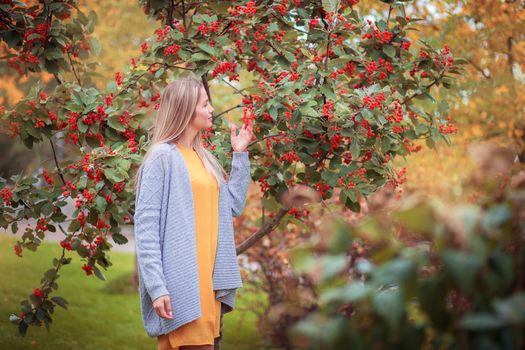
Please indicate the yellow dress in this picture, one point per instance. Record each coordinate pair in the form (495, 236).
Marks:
(206, 202)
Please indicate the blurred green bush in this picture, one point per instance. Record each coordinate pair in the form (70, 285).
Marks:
(425, 275)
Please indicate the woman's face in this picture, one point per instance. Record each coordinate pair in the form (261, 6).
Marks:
(203, 112)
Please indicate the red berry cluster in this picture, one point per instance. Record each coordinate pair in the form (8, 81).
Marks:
(348, 69)
(224, 67)
(447, 128)
(290, 157)
(298, 213)
(264, 185)
(384, 37)
(88, 269)
(162, 33)
(373, 102)
(206, 28)
(410, 147)
(322, 188)
(249, 9)
(41, 224)
(118, 78)
(328, 109)
(38, 293)
(66, 245)
(172, 50)
(7, 195)
(69, 186)
(119, 186)
(18, 250)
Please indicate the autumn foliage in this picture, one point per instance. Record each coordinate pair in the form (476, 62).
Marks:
(335, 98)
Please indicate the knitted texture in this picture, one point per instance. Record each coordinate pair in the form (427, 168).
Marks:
(165, 237)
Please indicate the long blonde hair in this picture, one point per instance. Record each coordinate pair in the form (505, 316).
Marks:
(176, 111)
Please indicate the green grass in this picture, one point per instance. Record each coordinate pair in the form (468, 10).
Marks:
(101, 314)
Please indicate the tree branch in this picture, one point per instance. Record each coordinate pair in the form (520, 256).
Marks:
(226, 111)
(263, 231)
(56, 162)
(479, 69)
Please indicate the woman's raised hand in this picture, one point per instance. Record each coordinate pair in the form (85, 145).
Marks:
(162, 306)
(241, 141)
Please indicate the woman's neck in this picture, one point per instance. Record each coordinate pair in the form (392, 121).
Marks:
(186, 141)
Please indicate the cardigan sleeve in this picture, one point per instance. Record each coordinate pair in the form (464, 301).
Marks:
(148, 205)
(239, 181)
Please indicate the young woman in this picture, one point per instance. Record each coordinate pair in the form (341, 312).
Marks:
(188, 269)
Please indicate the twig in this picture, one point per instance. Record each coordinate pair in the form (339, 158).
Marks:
(56, 162)
(74, 71)
(226, 111)
(233, 87)
(425, 88)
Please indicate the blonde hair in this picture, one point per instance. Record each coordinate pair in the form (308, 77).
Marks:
(176, 111)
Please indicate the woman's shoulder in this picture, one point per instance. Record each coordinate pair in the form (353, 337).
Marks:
(161, 148)
(158, 155)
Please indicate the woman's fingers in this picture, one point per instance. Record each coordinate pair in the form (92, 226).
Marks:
(167, 306)
(162, 307)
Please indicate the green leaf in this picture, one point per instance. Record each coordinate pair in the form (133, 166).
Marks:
(207, 48)
(101, 203)
(74, 225)
(511, 308)
(481, 322)
(119, 238)
(270, 204)
(354, 150)
(98, 273)
(432, 294)
(22, 328)
(289, 56)
(328, 91)
(124, 164)
(496, 216)
(309, 111)
(349, 293)
(60, 301)
(111, 86)
(389, 50)
(418, 219)
(421, 129)
(113, 175)
(389, 305)
(94, 45)
(53, 53)
(114, 122)
(443, 108)
(159, 73)
(332, 265)
(460, 61)
(398, 271)
(331, 5)
(199, 56)
(463, 267)
(353, 206)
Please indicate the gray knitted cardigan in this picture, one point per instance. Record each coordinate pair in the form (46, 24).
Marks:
(165, 237)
